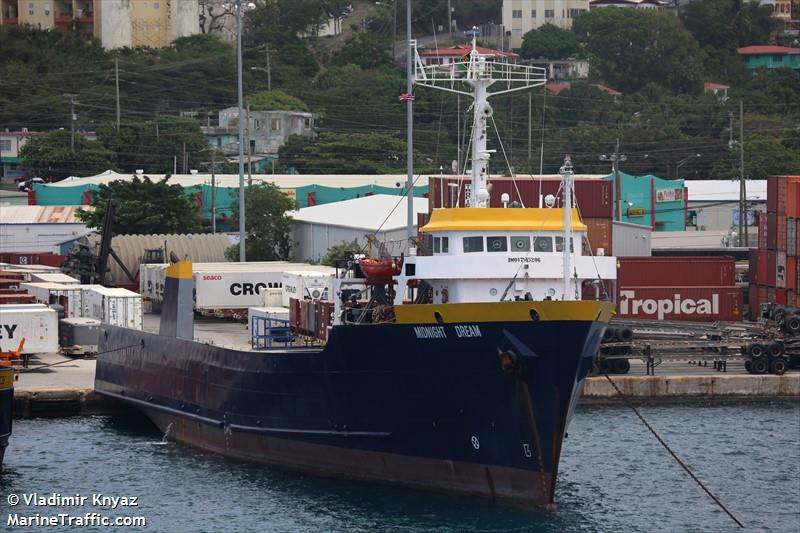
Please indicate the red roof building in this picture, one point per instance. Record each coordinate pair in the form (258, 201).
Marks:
(770, 56)
(454, 54)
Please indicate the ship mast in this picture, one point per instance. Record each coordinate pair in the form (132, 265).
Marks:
(478, 72)
(566, 248)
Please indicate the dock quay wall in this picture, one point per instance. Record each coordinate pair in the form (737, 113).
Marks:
(688, 389)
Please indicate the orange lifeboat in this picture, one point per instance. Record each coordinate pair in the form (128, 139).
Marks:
(380, 270)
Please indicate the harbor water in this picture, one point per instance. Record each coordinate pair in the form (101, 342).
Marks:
(614, 477)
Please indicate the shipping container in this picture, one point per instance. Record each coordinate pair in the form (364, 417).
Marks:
(5, 274)
(594, 197)
(10, 283)
(752, 301)
(791, 237)
(116, 307)
(599, 235)
(683, 271)
(705, 304)
(782, 189)
(770, 295)
(791, 273)
(6, 299)
(272, 297)
(74, 305)
(772, 231)
(13, 291)
(772, 194)
(55, 277)
(36, 323)
(763, 295)
(306, 285)
(772, 265)
(294, 313)
(780, 240)
(793, 199)
(280, 313)
(791, 299)
(780, 296)
(780, 269)
(762, 230)
(32, 258)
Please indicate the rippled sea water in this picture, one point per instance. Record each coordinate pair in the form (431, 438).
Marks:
(614, 477)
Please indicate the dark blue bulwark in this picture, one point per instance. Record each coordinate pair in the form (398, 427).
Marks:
(6, 414)
(438, 392)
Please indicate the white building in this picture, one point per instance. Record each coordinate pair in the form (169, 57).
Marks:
(713, 205)
(266, 130)
(522, 16)
(35, 228)
(321, 227)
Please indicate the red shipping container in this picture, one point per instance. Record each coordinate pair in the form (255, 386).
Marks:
(13, 291)
(793, 199)
(752, 301)
(780, 240)
(769, 279)
(791, 273)
(11, 275)
(761, 267)
(780, 296)
(782, 187)
(763, 294)
(762, 230)
(772, 231)
(6, 283)
(752, 266)
(684, 271)
(770, 295)
(32, 258)
(772, 194)
(704, 304)
(17, 299)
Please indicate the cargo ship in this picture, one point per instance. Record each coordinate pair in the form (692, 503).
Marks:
(6, 407)
(455, 368)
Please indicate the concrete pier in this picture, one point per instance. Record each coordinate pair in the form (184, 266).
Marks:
(693, 388)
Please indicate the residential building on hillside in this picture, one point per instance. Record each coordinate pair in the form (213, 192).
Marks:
(562, 69)
(10, 144)
(522, 16)
(770, 56)
(116, 23)
(266, 130)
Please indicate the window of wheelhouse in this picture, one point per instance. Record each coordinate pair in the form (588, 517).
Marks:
(473, 244)
(520, 244)
(497, 244)
(441, 245)
(560, 244)
(543, 244)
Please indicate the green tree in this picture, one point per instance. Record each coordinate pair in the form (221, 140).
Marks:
(763, 156)
(344, 153)
(336, 254)
(145, 207)
(51, 156)
(153, 145)
(551, 42)
(275, 100)
(366, 49)
(728, 24)
(630, 48)
(268, 224)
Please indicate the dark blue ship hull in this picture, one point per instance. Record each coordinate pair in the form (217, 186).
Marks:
(6, 408)
(436, 408)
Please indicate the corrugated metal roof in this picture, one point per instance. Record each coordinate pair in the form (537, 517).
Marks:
(724, 190)
(40, 214)
(767, 49)
(201, 247)
(370, 213)
(284, 181)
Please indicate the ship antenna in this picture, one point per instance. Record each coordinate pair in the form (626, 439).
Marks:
(478, 72)
(566, 185)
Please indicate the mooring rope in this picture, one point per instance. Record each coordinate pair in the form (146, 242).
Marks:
(672, 453)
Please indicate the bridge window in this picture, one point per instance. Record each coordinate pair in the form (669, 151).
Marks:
(445, 245)
(560, 244)
(473, 244)
(437, 245)
(520, 244)
(543, 244)
(497, 244)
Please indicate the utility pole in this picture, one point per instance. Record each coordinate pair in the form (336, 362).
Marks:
(249, 151)
(213, 190)
(409, 133)
(615, 158)
(743, 237)
(242, 234)
(71, 120)
(394, 31)
(116, 76)
(269, 69)
(450, 21)
(183, 157)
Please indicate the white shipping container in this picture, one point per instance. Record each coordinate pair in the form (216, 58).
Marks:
(272, 297)
(116, 307)
(55, 277)
(281, 313)
(43, 291)
(306, 284)
(36, 323)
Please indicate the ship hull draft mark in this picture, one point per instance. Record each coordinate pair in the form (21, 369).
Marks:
(482, 413)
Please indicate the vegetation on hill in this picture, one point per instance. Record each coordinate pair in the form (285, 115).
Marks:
(657, 60)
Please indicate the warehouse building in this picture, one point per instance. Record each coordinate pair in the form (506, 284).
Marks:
(713, 205)
(321, 227)
(34, 228)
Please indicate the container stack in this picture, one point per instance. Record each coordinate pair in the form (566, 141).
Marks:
(774, 275)
(679, 288)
